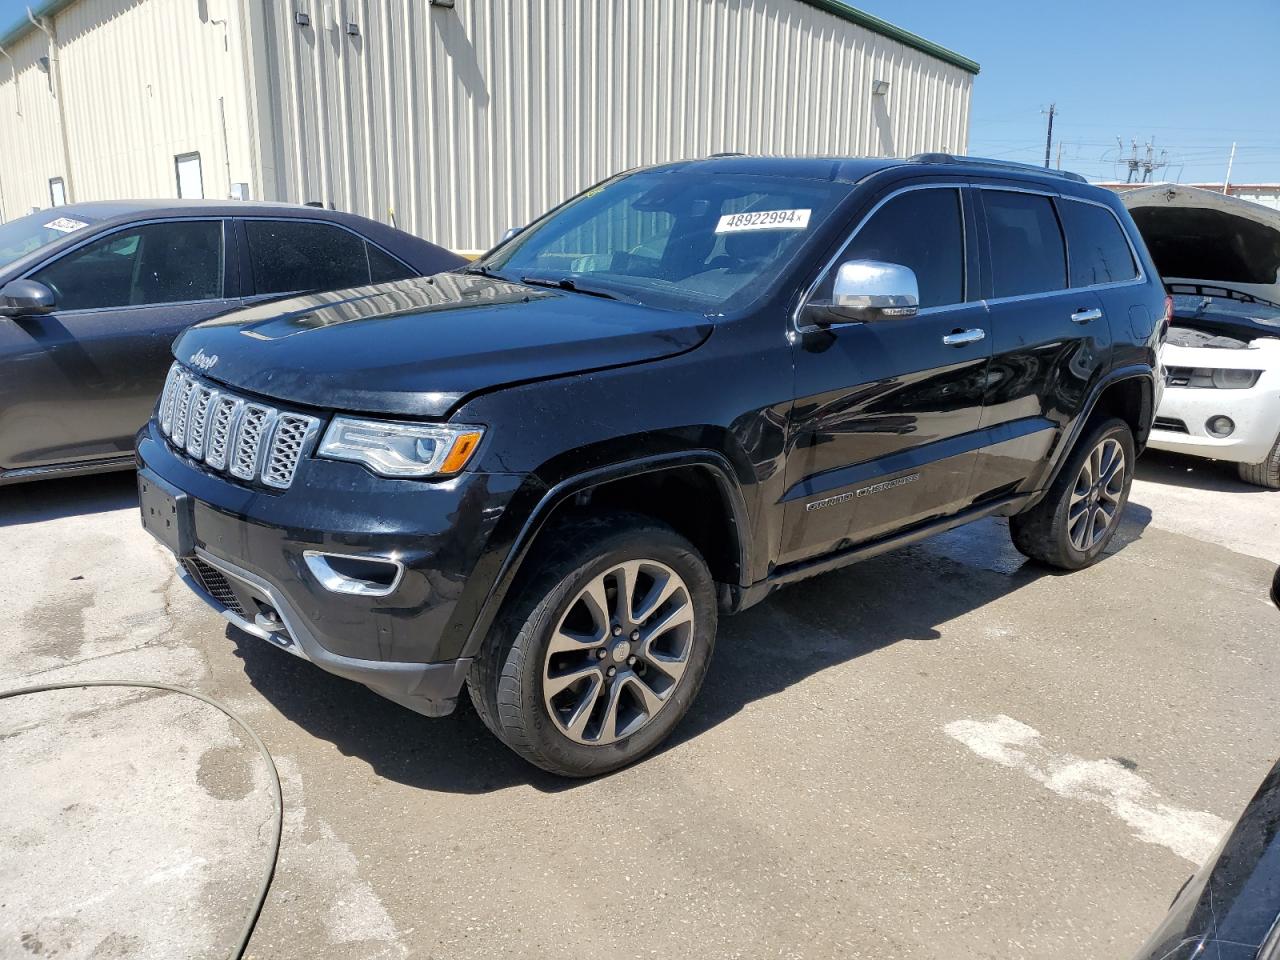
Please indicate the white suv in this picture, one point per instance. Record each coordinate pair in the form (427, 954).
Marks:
(1220, 259)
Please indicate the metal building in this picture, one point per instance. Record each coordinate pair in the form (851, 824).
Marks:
(454, 119)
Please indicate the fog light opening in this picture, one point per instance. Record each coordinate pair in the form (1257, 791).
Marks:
(362, 576)
(1220, 426)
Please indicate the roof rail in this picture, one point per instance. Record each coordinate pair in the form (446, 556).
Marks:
(726, 153)
(997, 164)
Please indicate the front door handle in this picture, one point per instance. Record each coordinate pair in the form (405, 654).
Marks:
(1086, 316)
(959, 338)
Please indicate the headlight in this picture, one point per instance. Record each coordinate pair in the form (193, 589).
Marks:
(401, 449)
(1235, 379)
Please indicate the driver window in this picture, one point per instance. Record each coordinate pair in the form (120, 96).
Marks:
(920, 229)
(155, 263)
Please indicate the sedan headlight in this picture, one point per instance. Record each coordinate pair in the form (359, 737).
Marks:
(1235, 379)
(401, 449)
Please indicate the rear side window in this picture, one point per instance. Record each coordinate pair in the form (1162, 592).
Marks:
(920, 229)
(287, 256)
(1099, 252)
(1027, 253)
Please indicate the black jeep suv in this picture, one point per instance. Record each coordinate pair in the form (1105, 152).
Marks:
(546, 475)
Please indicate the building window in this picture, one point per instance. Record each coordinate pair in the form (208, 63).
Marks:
(57, 192)
(190, 179)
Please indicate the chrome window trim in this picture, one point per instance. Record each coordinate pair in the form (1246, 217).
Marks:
(799, 327)
(1133, 251)
(132, 224)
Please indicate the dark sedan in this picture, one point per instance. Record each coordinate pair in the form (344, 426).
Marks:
(93, 294)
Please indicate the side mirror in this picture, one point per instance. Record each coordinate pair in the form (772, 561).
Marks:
(26, 298)
(511, 232)
(867, 291)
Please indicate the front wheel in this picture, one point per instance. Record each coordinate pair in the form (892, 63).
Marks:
(1079, 514)
(597, 657)
(1264, 474)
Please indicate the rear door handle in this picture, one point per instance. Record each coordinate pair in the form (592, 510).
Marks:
(959, 338)
(1086, 316)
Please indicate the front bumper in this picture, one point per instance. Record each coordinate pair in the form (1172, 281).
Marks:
(249, 563)
(1181, 421)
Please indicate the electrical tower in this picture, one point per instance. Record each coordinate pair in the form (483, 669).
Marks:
(1142, 167)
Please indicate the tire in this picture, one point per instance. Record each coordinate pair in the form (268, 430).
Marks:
(1264, 474)
(551, 705)
(1056, 531)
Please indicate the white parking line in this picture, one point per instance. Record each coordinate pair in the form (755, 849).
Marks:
(1191, 834)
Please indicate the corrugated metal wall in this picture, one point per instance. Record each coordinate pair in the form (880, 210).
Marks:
(460, 122)
(454, 123)
(142, 82)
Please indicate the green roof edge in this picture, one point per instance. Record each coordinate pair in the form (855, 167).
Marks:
(835, 7)
(886, 29)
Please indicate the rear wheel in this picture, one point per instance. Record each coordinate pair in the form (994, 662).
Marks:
(1079, 514)
(597, 657)
(1264, 474)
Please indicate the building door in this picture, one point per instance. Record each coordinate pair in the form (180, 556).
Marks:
(190, 177)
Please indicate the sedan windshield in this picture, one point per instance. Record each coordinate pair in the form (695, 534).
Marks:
(672, 238)
(26, 234)
(1188, 305)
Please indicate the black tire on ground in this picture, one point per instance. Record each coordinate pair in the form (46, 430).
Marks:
(1264, 474)
(1045, 532)
(507, 676)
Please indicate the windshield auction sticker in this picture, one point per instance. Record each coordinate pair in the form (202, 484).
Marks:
(764, 220)
(65, 225)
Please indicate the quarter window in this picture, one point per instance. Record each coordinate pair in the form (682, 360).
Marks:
(384, 267)
(171, 262)
(1099, 252)
(293, 256)
(920, 229)
(1027, 253)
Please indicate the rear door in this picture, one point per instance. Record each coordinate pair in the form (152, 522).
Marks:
(884, 427)
(1051, 339)
(79, 383)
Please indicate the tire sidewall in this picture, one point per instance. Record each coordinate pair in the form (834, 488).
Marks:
(541, 731)
(1111, 429)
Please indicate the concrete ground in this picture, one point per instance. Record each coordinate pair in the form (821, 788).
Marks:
(944, 752)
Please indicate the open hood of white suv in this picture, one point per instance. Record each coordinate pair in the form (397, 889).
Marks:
(1206, 238)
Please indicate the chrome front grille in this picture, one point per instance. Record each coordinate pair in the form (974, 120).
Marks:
(249, 440)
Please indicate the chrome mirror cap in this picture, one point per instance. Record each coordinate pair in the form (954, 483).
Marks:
(869, 290)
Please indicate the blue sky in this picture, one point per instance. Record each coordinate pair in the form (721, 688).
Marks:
(1190, 74)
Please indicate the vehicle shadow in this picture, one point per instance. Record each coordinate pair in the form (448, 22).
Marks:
(1193, 473)
(67, 497)
(909, 595)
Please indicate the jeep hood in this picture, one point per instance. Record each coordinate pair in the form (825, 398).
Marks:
(1209, 239)
(418, 347)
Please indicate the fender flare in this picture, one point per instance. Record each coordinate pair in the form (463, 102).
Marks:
(1135, 371)
(715, 462)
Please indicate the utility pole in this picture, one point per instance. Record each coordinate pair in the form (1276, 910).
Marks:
(1230, 163)
(1048, 140)
(1059, 154)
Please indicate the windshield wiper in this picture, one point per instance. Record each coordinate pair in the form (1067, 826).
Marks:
(479, 269)
(573, 286)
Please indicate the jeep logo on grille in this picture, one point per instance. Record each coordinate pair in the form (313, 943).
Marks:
(202, 360)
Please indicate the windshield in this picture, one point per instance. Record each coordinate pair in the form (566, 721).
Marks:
(22, 236)
(676, 238)
(1193, 305)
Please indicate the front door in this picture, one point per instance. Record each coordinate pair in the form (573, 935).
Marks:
(78, 383)
(884, 429)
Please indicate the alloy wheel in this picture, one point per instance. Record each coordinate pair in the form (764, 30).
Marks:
(618, 652)
(1096, 496)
